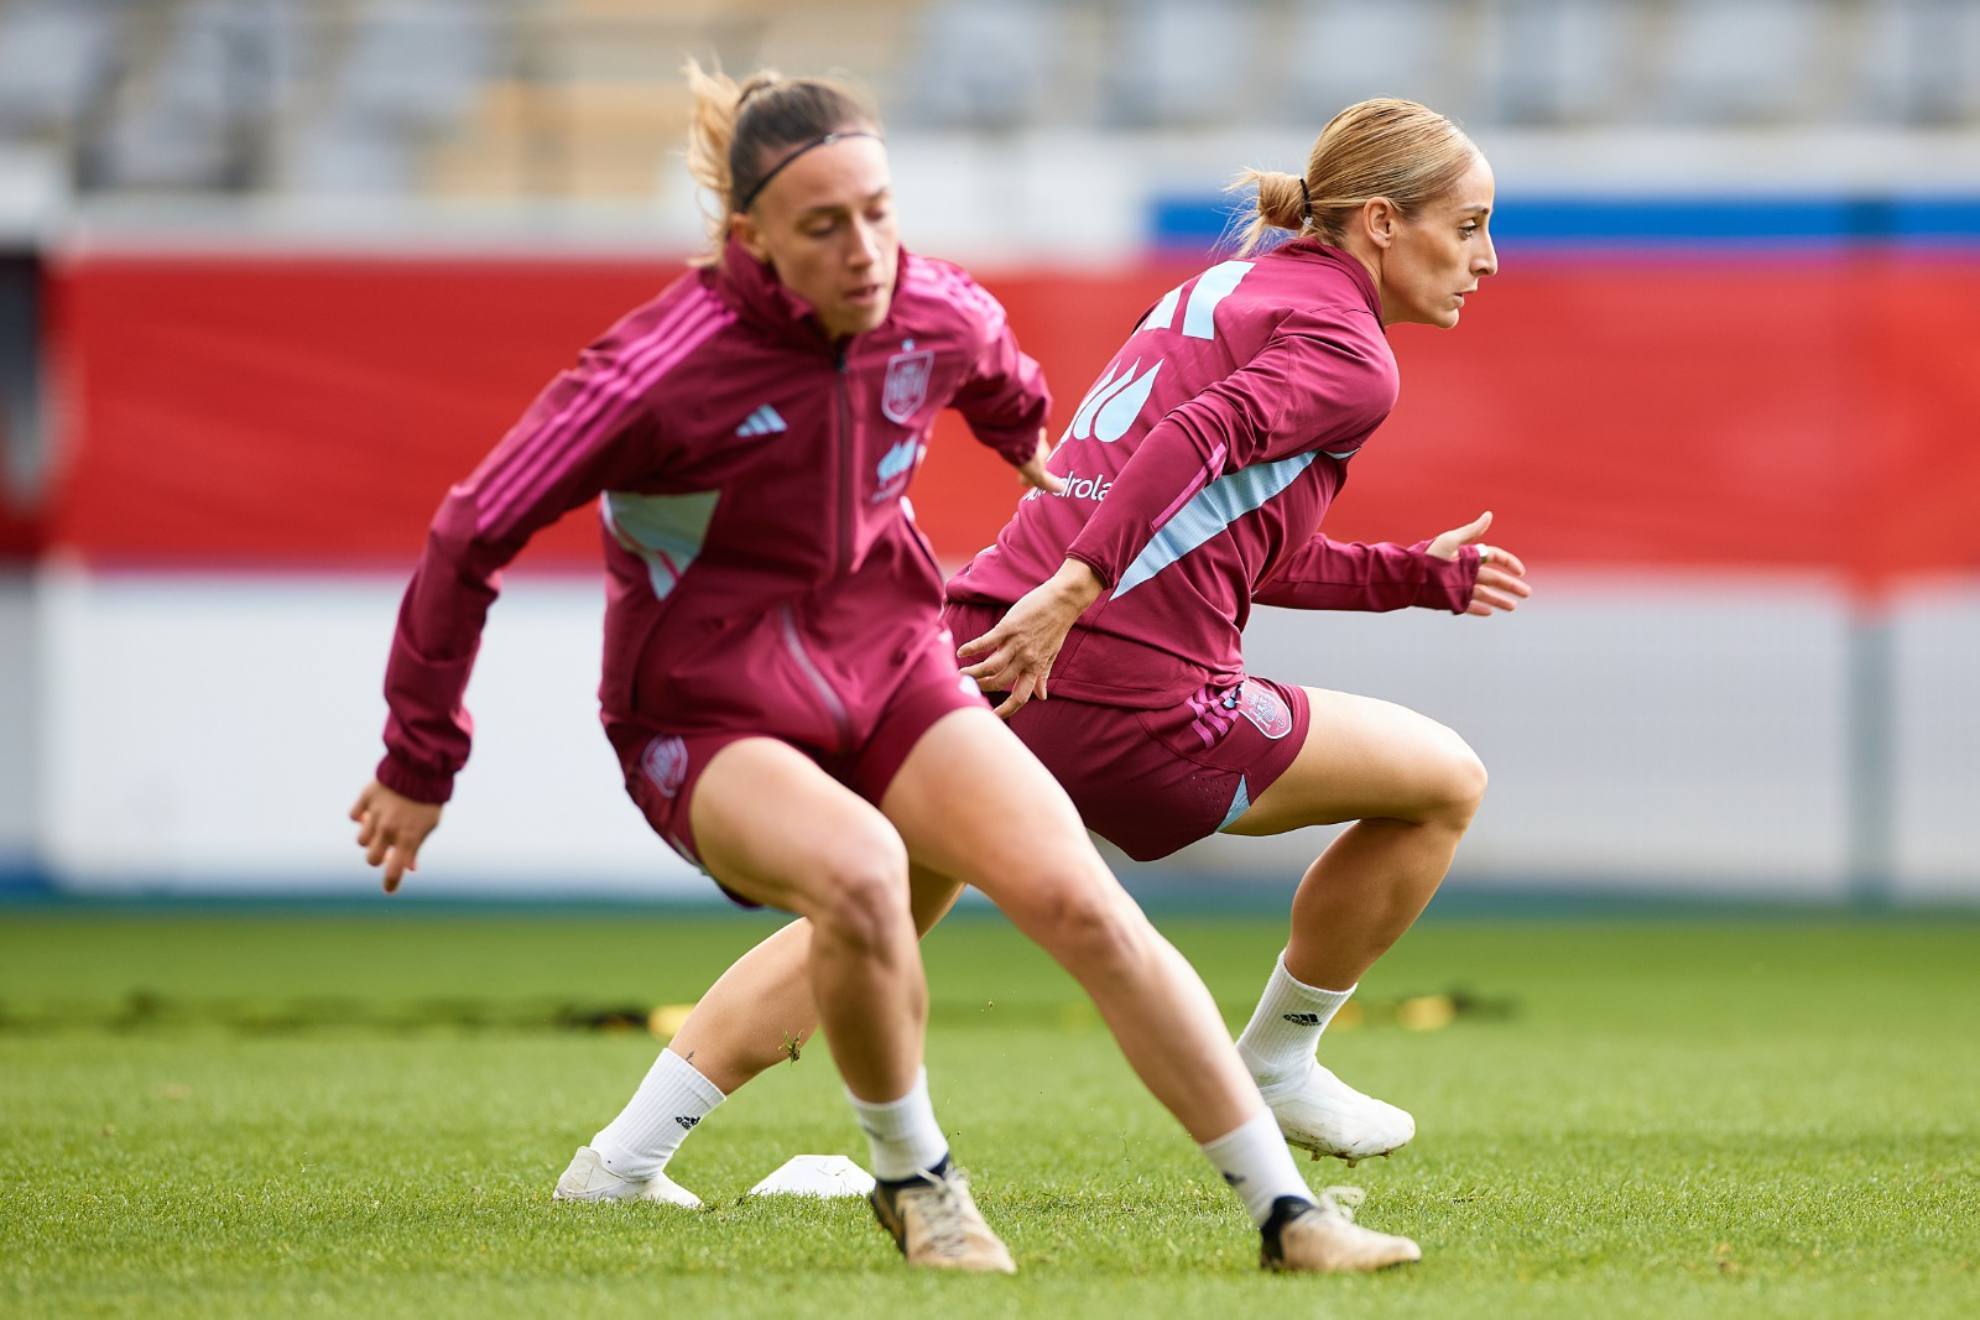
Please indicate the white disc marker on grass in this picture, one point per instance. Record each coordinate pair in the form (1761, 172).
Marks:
(816, 1175)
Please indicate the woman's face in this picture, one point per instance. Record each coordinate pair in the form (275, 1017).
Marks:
(826, 225)
(1437, 255)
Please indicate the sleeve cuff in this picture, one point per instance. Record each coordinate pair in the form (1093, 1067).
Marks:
(406, 782)
(1015, 444)
(1448, 583)
(1100, 570)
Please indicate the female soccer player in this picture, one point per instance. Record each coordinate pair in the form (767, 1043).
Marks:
(1219, 434)
(1193, 479)
(783, 699)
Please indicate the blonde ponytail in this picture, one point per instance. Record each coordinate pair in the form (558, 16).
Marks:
(1280, 204)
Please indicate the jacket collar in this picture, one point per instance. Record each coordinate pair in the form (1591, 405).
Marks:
(1313, 250)
(759, 297)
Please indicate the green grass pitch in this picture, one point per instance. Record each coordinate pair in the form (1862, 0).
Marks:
(364, 1115)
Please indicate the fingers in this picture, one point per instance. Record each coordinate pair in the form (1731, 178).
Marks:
(1020, 694)
(391, 829)
(977, 646)
(402, 856)
(991, 666)
(994, 672)
(1449, 542)
(1004, 678)
(1007, 672)
(1499, 579)
(1497, 590)
(1502, 557)
(392, 846)
(1009, 659)
(1033, 470)
(1033, 474)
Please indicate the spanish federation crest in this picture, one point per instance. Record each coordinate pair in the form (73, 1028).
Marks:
(906, 387)
(666, 764)
(1266, 709)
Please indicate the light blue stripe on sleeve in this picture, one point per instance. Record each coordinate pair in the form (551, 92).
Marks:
(1215, 507)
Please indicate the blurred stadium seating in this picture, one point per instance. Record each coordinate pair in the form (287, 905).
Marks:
(502, 98)
(274, 272)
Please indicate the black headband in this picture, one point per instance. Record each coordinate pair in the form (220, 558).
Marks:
(1305, 202)
(826, 141)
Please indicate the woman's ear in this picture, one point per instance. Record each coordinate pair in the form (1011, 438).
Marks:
(743, 229)
(1379, 219)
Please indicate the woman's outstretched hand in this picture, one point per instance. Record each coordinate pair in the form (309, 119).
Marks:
(1501, 581)
(391, 828)
(1017, 654)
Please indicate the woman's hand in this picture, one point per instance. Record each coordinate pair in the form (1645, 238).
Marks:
(391, 828)
(1032, 472)
(1501, 581)
(1018, 652)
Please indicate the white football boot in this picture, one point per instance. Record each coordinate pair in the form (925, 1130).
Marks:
(589, 1180)
(1325, 1115)
(1323, 1238)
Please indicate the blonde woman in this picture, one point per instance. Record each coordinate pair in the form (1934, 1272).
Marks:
(778, 685)
(1196, 473)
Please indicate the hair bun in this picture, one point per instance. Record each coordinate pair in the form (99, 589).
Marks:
(1281, 200)
(757, 82)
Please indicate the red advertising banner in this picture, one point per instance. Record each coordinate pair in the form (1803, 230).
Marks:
(1716, 410)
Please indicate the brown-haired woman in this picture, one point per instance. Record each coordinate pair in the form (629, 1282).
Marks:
(779, 688)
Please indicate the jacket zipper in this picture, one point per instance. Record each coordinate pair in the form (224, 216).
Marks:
(830, 699)
(845, 469)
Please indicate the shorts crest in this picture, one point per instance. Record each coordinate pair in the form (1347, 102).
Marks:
(1265, 708)
(665, 762)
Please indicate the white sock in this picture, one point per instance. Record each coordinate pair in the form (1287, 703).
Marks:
(1256, 1163)
(1278, 1043)
(903, 1134)
(673, 1098)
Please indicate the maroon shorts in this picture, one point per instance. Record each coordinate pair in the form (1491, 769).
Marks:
(1151, 781)
(662, 767)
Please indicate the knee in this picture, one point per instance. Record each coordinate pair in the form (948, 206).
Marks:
(862, 902)
(1093, 929)
(1458, 784)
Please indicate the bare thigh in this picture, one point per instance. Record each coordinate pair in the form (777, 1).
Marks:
(972, 803)
(776, 829)
(1364, 759)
